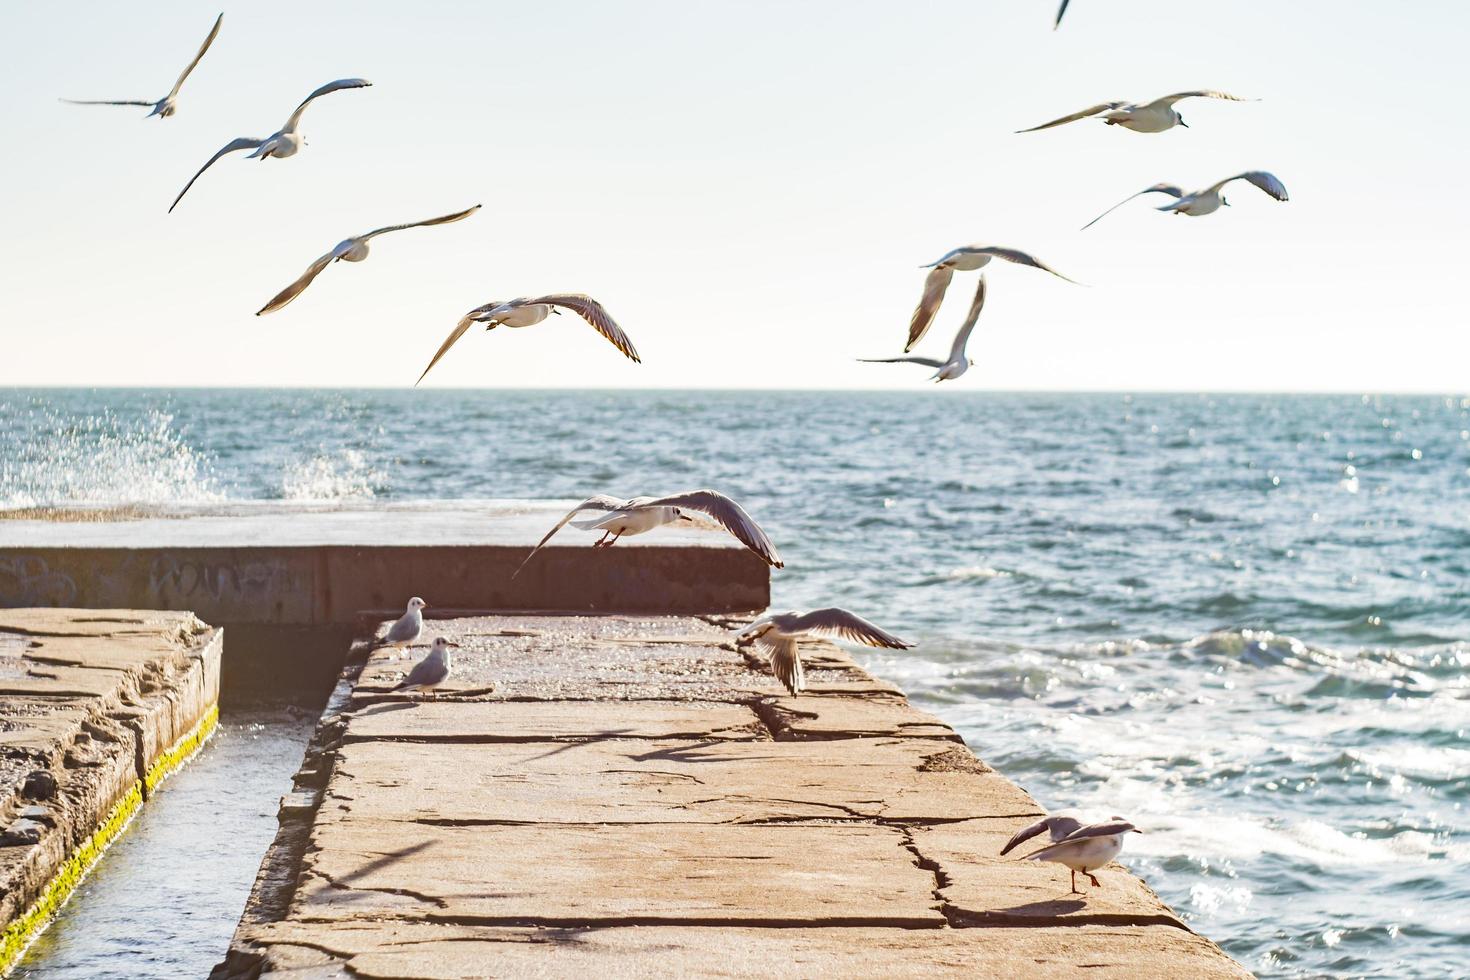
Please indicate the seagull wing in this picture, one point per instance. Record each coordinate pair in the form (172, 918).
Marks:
(599, 502)
(442, 220)
(957, 350)
(465, 322)
(594, 313)
(1092, 111)
(1169, 189)
(243, 143)
(213, 33)
(106, 102)
(296, 288)
(934, 286)
(427, 672)
(1267, 182)
(786, 664)
(1060, 10)
(847, 626)
(326, 89)
(405, 628)
(1108, 829)
(926, 361)
(1020, 258)
(1043, 826)
(728, 514)
(1204, 93)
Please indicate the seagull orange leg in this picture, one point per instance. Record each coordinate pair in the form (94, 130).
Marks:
(1074, 884)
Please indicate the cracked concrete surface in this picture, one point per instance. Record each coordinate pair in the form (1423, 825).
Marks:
(638, 797)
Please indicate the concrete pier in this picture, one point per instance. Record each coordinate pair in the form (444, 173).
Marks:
(97, 707)
(628, 796)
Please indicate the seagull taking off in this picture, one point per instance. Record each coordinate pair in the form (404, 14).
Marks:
(406, 630)
(777, 634)
(1141, 117)
(526, 312)
(1207, 201)
(431, 671)
(283, 143)
(966, 259)
(350, 250)
(617, 518)
(1087, 849)
(958, 363)
(167, 105)
(1059, 826)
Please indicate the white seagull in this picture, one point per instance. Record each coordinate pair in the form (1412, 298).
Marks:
(527, 311)
(431, 671)
(965, 259)
(167, 105)
(777, 635)
(1200, 203)
(1087, 849)
(350, 250)
(282, 143)
(638, 515)
(958, 363)
(1141, 117)
(407, 629)
(1058, 826)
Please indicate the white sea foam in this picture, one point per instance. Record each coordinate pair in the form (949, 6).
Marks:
(341, 475)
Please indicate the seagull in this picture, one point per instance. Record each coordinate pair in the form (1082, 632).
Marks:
(641, 514)
(965, 259)
(1087, 848)
(777, 634)
(431, 671)
(1060, 10)
(350, 250)
(958, 363)
(1200, 203)
(283, 143)
(167, 105)
(1059, 826)
(1141, 117)
(525, 312)
(407, 629)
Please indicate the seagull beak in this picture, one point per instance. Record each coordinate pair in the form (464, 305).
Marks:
(1137, 831)
(556, 311)
(1184, 124)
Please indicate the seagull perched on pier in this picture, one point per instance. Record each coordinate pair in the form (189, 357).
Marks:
(1141, 117)
(1204, 202)
(777, 635)
(1087, 848)
(407, 629)
(965, 259)
(638, 515)
(167, 105)
(350, 250)
(525, 312)
(282, 143)
(431, 671)
(1059, 826)
(958, 363)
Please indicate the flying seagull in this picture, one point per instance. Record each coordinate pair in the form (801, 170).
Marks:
(350, 250)
(167, 105)
(431, 671)
(1207, 201)
(965, 259)
(406, 630)
(1058, 826)
(283, 143)
(640, 514)
(1087, 849)
(777, 634)
(1141, 117)
(525, 312)
(958, 363)
(1060, 10)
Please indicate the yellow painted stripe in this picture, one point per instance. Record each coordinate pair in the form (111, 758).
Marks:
(23, 931)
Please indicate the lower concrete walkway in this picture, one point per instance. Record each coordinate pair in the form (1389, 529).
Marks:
(618, 796)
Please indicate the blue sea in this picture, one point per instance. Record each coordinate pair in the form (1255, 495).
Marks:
(1243, 621)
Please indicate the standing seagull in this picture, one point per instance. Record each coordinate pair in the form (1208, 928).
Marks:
(282, 143)
(777, 634)
(1200, 203)
(1087, 849)
(407, 629)
(350, 250)
(167, 105)
(1141, 117)
(525, 312)
(958, 363)
(431, 671)
(965, 259)
(641, 514)
(1058, 826)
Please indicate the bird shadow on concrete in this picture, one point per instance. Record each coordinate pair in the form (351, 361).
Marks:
(1061, 905)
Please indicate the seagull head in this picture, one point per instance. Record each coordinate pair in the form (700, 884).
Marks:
(679, 515)
(416, 604)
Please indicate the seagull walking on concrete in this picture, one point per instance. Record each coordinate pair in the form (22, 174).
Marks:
(1141, 117)
(958, 363)
(1058, 826)
(965, 259)
(618, 518)
(282, 143)
(167, 105)
(527, 311)
(431, 671)
(1204, 202)
(777, 635)
(1087, 848)
(407, 629)
(351, 250)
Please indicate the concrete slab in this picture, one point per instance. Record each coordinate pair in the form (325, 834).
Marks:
(818, 716)
(531, 721)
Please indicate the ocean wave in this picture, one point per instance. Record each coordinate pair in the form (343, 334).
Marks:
(341, 475)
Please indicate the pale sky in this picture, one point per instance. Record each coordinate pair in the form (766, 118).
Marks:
(749, 187)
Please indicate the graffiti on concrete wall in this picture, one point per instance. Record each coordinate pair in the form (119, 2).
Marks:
(27, 580)
(193, 577)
